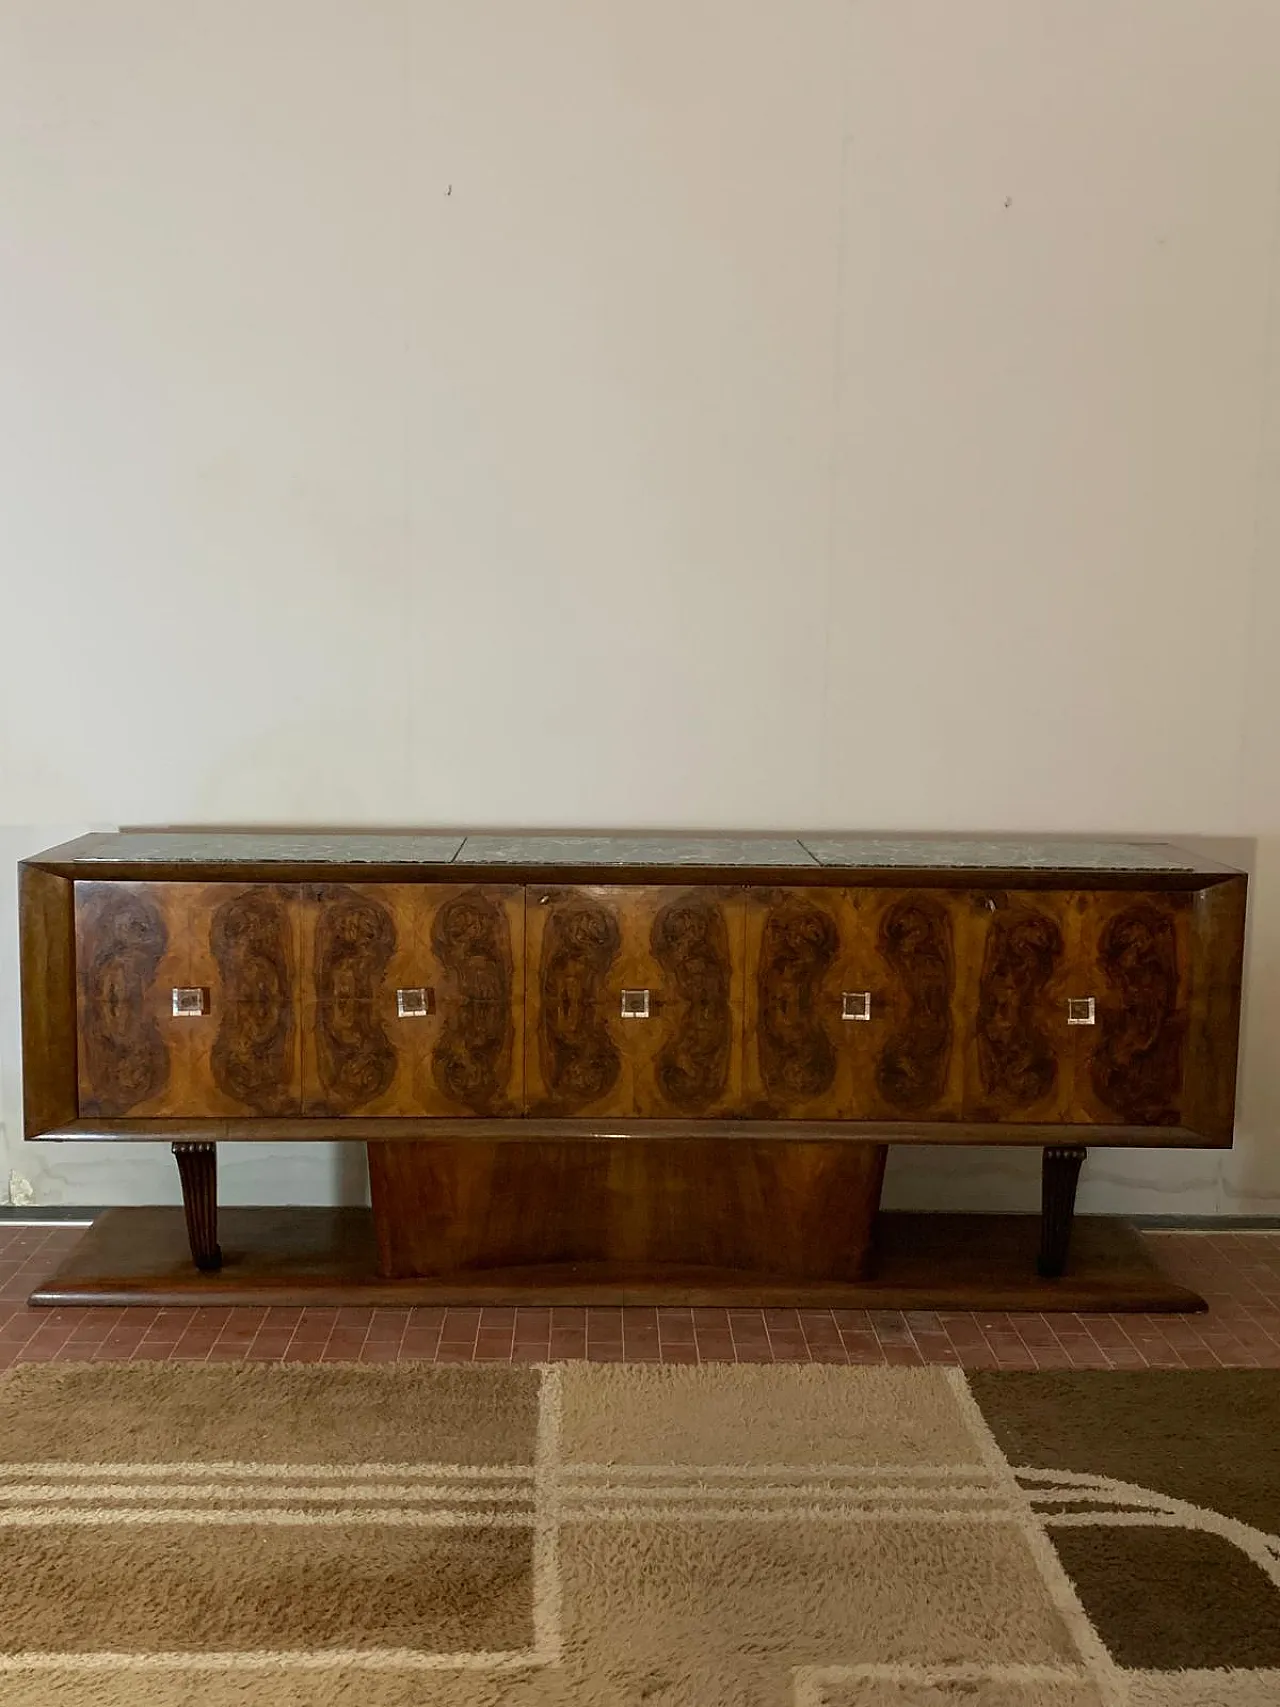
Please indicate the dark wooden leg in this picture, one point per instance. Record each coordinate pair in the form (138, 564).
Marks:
(1058, 1204)
(198, 1171)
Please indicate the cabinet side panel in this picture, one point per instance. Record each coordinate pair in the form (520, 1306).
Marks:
(1019, 1063)
(47, 931)
(1213, 1041)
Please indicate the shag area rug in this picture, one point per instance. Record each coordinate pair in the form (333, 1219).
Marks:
(612, 1535)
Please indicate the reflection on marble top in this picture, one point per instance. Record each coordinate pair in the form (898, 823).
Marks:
(322, 848)
(851, 852)
(633, 850)
(1012, 854)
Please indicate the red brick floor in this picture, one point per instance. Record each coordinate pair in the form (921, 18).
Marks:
(1239, 1273)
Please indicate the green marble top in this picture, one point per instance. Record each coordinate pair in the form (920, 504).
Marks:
(828, 852)
(1016, 853)
(265, 847)
(634, 850)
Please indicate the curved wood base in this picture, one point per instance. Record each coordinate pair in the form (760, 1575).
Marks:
(738, 1206)
(329, 1256)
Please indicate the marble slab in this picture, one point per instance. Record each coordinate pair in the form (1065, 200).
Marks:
(745, 852)
(995, 853)
(266, 847)
(634, 850)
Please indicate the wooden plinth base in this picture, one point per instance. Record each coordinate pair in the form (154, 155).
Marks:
(650, 1206)
(329, 1256)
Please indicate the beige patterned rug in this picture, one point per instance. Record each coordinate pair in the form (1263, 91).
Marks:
(637, 1536)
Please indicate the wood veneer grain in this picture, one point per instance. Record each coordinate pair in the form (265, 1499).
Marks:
(735, 1205)
(47, 957)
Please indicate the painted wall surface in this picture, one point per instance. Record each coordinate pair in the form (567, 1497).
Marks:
(839, 413)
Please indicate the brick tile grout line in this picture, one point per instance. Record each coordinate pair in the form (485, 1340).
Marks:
(1237, 1270)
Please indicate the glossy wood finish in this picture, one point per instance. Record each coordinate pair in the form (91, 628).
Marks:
(693, 1066)
(898, 950)
(761, 1210)
(801, 1060)
(965, 992)
(124, 941)
(198, 1171)
(463, 946)
(389, 1130)
(1059, 1178)
(968, 994)
(1020, 1051)
(238, 944)
(246, 948)
(1131, 1065)
(329, 1257)
(48, 970)
(1216, 948)
(683, 949)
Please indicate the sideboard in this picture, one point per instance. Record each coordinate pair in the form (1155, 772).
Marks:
(680, 1059)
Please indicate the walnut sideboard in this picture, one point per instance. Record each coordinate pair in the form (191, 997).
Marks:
(587, 1061)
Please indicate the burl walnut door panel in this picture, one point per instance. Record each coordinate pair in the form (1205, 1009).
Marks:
(801, 1055)
(187, 999)
(674, 958)
(413, 1001)
(1020, 1047)
(1082, 1008)
(855, 1005)
(1134, 963)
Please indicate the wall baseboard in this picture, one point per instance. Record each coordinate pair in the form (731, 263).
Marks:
(39, 1215)
(36, 1215)
(1207, 1223)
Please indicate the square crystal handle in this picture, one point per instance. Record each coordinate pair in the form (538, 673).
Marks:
(1080, 1010)
(635, 1004)
(190, 1004)
(855, 1004)
(417, 1003)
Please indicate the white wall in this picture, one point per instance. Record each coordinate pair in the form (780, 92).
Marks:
(850, 413)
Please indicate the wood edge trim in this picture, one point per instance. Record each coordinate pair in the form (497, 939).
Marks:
(1215, 998)
(354, 1129)
(632, 876)
(47, 985)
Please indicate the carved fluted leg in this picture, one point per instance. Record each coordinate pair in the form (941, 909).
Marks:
(198, 1171)
(1060, 1176)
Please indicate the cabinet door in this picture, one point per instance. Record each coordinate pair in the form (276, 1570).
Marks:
(413, 999)
(800, 1058)
(1133, 965)
(908, 955)
(635, 1001)
(130, 955)
(1020, 1046)
(855, 1004)
(187, 999)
